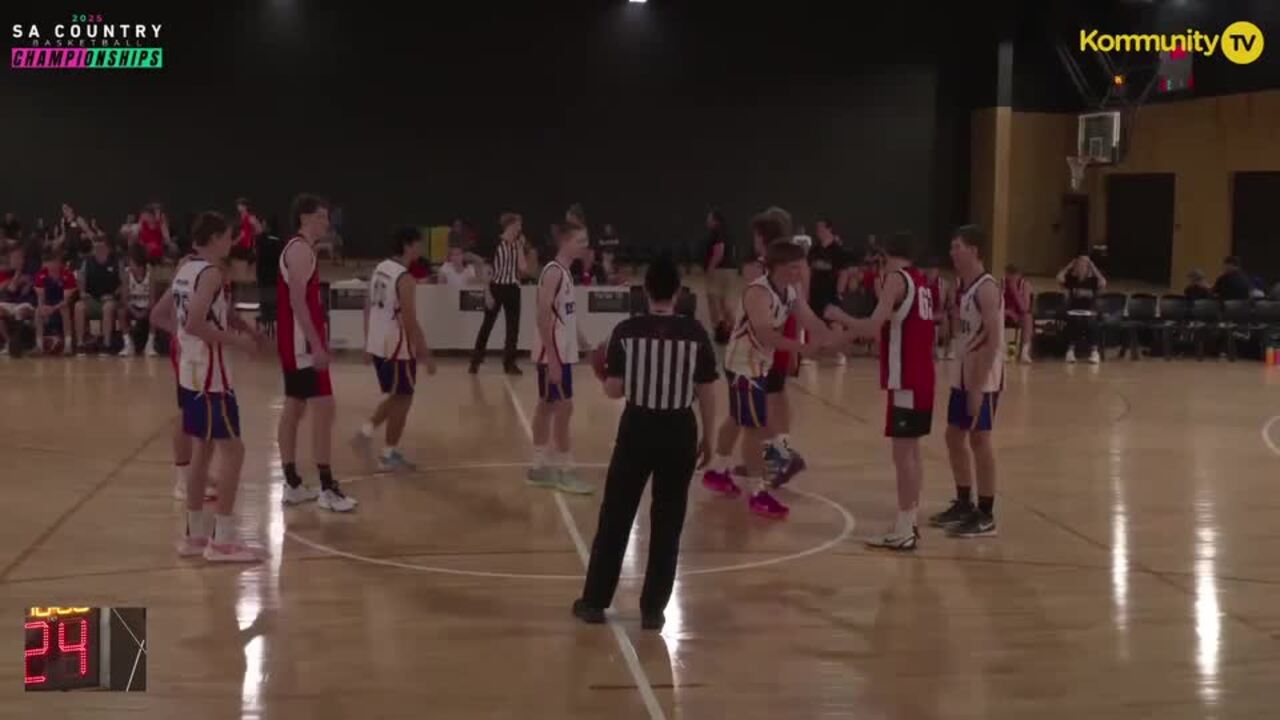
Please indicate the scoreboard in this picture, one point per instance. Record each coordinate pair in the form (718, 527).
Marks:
(71, 648)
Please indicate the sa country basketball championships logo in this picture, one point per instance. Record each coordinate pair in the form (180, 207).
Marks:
(87, 42)
(1241, 42)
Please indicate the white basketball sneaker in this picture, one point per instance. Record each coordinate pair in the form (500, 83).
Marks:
(192, 546)
(298, 495)
(334, 501)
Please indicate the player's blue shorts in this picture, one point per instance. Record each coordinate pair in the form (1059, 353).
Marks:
(551, 393)
(396, 377)
(183, 396)
(747, 400)
(958, 410)
(211, 416)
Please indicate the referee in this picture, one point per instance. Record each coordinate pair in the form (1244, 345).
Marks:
(508, 266)
(661, 362)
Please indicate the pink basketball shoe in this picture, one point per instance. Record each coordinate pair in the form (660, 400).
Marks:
(721, 483)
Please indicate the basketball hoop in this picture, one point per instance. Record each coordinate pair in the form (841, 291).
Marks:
(1076, 164)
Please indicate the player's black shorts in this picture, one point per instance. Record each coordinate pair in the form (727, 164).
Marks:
(307, 383)
(775, 381)
(908, 415)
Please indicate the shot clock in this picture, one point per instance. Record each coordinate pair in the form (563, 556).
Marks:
(74, 648)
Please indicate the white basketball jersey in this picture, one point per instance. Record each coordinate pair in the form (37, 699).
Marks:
(565, 322)
(201, 366)
(387, 338)
(746, 354)
(139, 291)
(968, 336)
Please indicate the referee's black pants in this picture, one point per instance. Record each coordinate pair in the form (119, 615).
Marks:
(659, 443)
(507, 299)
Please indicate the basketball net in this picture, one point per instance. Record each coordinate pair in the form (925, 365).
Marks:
(1076, 164)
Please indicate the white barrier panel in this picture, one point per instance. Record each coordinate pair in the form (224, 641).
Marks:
(451, 316)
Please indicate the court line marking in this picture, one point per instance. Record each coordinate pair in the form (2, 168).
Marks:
(624, 642)
(61, 520)
(1266, 434)
(849, 525)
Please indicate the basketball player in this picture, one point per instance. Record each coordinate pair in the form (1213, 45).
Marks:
(783, 460)
(767, 302)
(394, 341)
(904, 320)
(304, 356)
(977, 377)
(555, 350)
(164, 317)
(210, 413)
(138, 304)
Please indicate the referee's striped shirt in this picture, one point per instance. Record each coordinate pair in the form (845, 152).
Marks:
(660, 359)
(506, 268)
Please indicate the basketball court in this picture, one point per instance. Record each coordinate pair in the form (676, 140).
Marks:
(1135, 573)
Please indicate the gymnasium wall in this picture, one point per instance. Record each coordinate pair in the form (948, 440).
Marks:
(1038, 178)
(1202, 142)
(646, 115)
(1017, 178)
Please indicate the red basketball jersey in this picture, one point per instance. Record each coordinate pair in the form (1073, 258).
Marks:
(907, 339)
(783, 360)
(246, 232)
(295, 351)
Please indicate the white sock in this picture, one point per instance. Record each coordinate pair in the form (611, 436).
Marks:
(224, 530)
(540, 457)
(389, 451)
(184, 471)
(367, 429)
(722, 463)
(779, 445)
(906, 522)
(198, 524)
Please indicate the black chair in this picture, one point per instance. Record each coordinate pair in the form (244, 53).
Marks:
(1110, 308)
(1140, 315)
(1204, 322)
(1237, 323)
(1049, 315)
(1265, 324)
(1172, 321)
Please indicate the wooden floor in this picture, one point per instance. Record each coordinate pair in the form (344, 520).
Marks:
(1137, 572)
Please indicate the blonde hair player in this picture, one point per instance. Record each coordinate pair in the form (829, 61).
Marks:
(394, 341)
(210, 412)
(555, 351)
(977, 377)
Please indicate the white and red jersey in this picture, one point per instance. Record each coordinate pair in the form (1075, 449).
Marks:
(174, 348)
(746, 354)
(202, 366)
(971, 336)
(291, 341)
(387, 338)
(906, 341)
(564, 328)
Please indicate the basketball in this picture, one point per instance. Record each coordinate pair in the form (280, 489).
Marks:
(600, 361)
